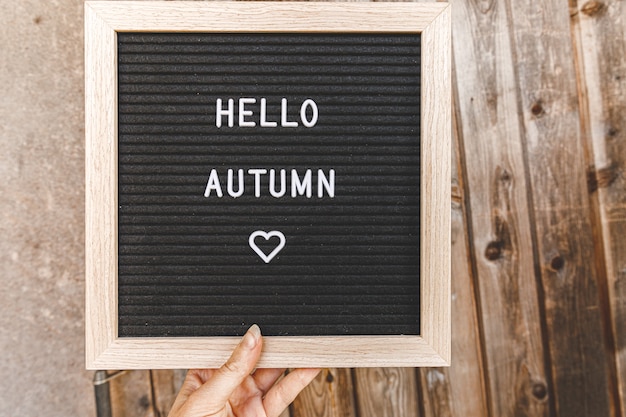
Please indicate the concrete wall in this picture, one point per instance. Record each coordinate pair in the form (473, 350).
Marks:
(42, 210)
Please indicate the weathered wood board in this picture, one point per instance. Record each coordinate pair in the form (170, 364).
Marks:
(539, 219)
(599, 37)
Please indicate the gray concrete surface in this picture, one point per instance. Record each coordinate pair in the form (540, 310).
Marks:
(42, 210)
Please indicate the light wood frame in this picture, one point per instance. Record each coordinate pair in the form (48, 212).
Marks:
(103, 19)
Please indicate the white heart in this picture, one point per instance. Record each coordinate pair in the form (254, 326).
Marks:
(267, 236)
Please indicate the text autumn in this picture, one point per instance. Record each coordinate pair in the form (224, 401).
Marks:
(306, 184)
(301, 184)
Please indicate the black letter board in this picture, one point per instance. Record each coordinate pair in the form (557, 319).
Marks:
(278, 163)
(269, 178)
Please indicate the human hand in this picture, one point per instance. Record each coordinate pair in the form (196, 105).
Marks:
(232, 391)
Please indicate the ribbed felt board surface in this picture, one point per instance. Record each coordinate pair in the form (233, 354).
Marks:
(230, 214)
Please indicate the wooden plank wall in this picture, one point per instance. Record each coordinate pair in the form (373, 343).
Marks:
(539, 230)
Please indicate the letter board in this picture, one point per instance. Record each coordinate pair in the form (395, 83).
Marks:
(274, 176)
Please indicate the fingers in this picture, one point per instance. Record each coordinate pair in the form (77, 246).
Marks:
(265, 378)
(196, 377)
(286, 390)
(218, 389)
(190, 385)
(193, 380)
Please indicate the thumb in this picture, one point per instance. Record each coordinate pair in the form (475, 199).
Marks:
(216, 392)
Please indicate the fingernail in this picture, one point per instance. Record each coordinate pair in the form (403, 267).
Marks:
(252, 337)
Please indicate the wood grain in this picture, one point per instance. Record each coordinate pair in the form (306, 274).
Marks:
(499, 226)
(267, 16)
(386, 392)
(460, 389)
(599, 35)
(435, 198)
(131, 395)
(293, 352)
(557, 181)
(165, 386)
(329, 395)
(528, 220)
(100, 186)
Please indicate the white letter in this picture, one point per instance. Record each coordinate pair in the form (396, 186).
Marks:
(303, 187)
(264, 122)
(229, 187)
(283, 183)
(283, 115)
(243, 112)
(308, 123)
(257, 172)
(213, 184)
(230, 112)
(323, 182)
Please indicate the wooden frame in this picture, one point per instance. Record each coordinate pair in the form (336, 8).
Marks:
(104, 349)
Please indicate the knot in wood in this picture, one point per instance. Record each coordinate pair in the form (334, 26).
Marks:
(602, 178)
(144, 402)
(505, 176)
(557, 263)
(494, 250)
(592, 7)
(329, 377)
(537, 109)
(540, 390)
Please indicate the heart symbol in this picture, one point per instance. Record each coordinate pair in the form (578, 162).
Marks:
(267, 236)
